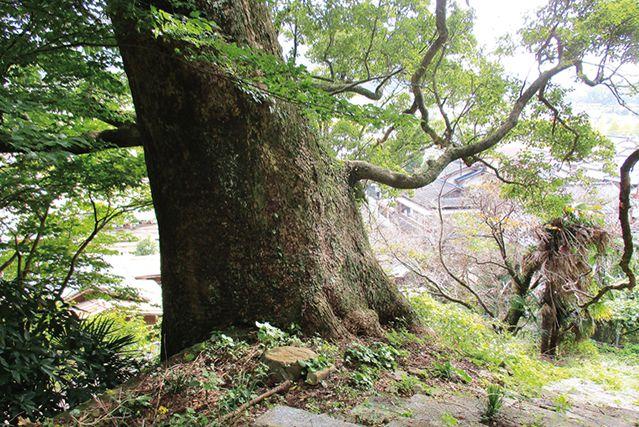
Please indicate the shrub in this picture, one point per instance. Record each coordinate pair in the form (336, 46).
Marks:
(146, 246)
(128, 321)
(316, 364)
(561, 403)
(447, 371)
(407, 385)
(50, 359)
(378, 355)
(363, 378)
(270, 335)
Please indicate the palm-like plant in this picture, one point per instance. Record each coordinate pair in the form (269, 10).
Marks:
(101, 358)
(568, 251)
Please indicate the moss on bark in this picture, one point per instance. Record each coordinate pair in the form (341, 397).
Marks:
(256, 221)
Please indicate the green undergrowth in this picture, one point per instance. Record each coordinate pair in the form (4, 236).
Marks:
(516, 360)
(208, 384)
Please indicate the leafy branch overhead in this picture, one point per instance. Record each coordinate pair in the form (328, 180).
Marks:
(459, 130)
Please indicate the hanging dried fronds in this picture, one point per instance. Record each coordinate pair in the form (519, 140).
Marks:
(568, 252)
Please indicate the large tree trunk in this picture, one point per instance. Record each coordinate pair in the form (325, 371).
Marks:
(256, 220)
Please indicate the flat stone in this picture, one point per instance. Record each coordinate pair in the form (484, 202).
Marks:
(283, 362)
(466, 410)
(285, 416)
(441, 410)
(379, 410)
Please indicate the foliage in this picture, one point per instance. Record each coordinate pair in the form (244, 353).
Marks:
(516, 360)
(315, 364)
(210, 381)
(220, 343)
(189, 418)
(272, 336)
(378, 355)
(49, 358)
(401, 338)
(561, 403)
(176, 381)
(62, 82)
(128, 322)
(448, 371)
(243, 390)
(131, 406)
(407, 385)
(349, 45)
(449, 420)
(494, 403)
(146, 246)
(57, 215)
(621, 326)
(363, 378)
(61, 74)
(269, 335)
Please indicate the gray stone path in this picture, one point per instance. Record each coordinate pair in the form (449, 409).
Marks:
(583, 404)
(285, 416)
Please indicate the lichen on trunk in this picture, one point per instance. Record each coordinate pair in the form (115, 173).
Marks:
(256, 220)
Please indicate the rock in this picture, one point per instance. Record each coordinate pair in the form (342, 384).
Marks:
(314, 378)
(283, 362)
(379, 410)
(285, 416)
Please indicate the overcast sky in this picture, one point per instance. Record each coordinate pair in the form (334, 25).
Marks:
(497, 17)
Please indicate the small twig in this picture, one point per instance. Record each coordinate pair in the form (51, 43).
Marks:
(280, 388)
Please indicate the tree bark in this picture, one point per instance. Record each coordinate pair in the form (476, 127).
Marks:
(522, 284)
(256, 220)
(513, 316)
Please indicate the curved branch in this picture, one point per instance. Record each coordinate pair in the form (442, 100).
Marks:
(495, 170)
(427, 59)
(335, 88)
(359, 170)
(624, 217)
(626, 231)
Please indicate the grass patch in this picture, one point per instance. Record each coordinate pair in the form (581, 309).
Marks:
(516, 360)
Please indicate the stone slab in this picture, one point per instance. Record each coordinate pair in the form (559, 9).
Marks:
(285, 416)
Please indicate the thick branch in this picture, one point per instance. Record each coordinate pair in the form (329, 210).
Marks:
(624, 216)
(626, 231)
(418, 76)
(121, 137)
(359, 170)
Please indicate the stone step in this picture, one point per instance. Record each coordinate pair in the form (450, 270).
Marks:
(285, 416)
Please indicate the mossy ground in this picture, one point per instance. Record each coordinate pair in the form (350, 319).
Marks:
(457, 351)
